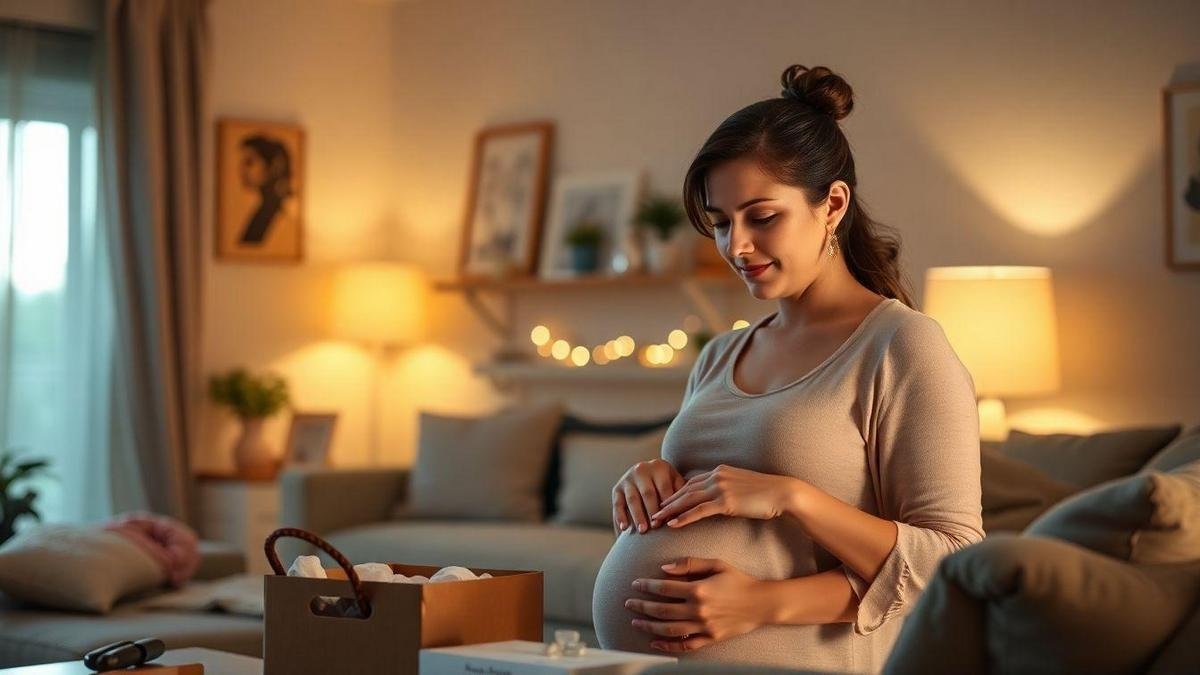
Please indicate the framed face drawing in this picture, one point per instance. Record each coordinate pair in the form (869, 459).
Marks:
(505, 201)
(260, 191)
(309, 439)
(1181, 145)
(601, 204)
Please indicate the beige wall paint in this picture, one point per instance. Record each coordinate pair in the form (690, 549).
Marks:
(1007, 133)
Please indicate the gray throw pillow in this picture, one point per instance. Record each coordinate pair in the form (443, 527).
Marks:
(76, 568)
(1145, 518)
(488, 467)
(1182, 450)
(1021, 604)
(1014, 492)
(591, 465)
(1092, 459)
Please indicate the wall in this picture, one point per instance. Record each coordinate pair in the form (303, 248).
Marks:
(1008, 133)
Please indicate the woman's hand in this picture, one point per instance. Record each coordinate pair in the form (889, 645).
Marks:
(729, 491)
(725, 603)
(640, 492)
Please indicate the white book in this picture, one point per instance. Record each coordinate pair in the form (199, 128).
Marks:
(524, 657)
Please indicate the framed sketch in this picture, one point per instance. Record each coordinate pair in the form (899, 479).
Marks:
(260, 191)
(1181, 142)
(309, 439)
(505, 201)
(605, 199)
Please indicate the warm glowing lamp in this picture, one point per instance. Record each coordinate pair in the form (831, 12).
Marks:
(382, 305)
(1002, 324)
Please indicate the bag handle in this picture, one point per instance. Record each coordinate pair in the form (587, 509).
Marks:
(273, 558)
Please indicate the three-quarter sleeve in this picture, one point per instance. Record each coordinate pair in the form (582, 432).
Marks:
(923, 457)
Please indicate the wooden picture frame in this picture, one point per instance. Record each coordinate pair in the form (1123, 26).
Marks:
(505, 201)
(259, 191)
(310, 436)
(1181, 174)
(607, 198)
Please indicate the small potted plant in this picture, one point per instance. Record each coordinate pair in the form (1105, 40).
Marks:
(253, 399)
(585, 240)
(659, 218)
(14, 507)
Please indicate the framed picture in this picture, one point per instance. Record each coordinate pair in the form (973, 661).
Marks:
(260, 191)
(506, 200)
(590, 201)
(309, 439)
(1181, 142)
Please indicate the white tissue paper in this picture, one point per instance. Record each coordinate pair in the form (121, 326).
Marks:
(310, 566)
(307, 566)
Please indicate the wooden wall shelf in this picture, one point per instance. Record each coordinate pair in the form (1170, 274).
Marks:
(542, 372)
(715, 277)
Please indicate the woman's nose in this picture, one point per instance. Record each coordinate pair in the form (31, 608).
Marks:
(740, 240)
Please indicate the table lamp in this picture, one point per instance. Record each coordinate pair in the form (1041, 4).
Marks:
(381, 305)
(1001, 323)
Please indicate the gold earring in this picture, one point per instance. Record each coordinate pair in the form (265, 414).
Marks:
(833, 245)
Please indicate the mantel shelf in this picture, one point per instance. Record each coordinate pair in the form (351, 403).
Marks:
(536, 371)
(713, 277)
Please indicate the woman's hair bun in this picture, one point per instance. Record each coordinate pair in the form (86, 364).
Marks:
(819, 88)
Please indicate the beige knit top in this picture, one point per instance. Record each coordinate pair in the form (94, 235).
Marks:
(887, 423)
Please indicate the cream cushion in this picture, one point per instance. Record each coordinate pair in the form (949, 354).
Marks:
(591, 465)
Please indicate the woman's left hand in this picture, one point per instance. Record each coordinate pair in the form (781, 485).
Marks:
(729, 491)
(726, 603)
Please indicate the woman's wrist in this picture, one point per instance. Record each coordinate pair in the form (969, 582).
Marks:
(796, 501)
(824, 597)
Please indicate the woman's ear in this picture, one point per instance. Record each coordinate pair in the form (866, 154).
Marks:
(836, 203)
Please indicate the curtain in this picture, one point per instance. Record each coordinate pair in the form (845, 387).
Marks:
(153, 126)
(55, 293)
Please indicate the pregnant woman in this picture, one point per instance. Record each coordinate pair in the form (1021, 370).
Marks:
(825, 458)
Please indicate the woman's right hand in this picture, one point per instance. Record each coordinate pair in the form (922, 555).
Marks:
(641, 490)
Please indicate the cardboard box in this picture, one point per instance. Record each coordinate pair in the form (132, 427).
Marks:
(403, 619)
(526, 657)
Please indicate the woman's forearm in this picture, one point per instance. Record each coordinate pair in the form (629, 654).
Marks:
(860, 540)
(825, 597)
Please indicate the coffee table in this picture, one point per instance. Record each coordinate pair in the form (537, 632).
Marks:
(215, 663)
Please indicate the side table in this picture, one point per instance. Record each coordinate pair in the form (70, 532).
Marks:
(240, 511)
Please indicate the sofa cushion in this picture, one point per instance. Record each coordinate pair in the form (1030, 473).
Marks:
(1014, 492)
(569, 556)
(1026, 604)
(488, 467)
(591, 465)
(1087, 460)
(1182, 450)
(1148, 517)
(75, 567)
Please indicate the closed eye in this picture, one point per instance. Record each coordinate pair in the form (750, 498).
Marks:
(756, 221)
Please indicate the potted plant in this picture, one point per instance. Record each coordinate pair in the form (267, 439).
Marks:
(585, 240)
(13, 507)
(659, 217)
(253, 399)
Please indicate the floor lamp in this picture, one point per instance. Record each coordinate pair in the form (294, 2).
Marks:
(380, 305)
(1002, 324)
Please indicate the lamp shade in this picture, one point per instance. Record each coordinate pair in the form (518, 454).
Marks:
(1001, 323)
(379, 303)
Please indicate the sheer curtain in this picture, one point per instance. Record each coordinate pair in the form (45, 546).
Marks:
(56, 321)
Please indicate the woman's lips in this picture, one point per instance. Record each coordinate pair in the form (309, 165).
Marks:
(755, 271)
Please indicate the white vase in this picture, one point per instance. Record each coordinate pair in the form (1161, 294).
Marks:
(251, 454)
(669, 256)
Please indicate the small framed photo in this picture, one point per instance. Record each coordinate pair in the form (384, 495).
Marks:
(506, 200)
(309, 439)
(260, 191)
(589, 230)
(1181, 139)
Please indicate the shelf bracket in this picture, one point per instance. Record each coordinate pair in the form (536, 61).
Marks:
(502, 327)
(712, 316)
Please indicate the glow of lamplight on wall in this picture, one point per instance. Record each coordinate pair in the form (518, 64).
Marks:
(540, 335)
(560, 350)
(677, 339)
(740, 324)
(1049, 420)
(580, 355)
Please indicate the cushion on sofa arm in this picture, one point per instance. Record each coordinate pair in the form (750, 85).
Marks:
(1182, 450)
(1149, 517)
(1087, 460)
(1015, 492)
(219, 559)
(1038, 605)
(323, 500)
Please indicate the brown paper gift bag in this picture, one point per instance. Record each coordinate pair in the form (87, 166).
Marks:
(345, 625)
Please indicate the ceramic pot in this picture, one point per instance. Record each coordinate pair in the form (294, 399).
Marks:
(251, 454)
(667, 256)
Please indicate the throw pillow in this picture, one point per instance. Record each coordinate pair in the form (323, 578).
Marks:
(1014, 493)
(1145, 518)
(592, 465)
(1182, 450)
(488, 467)
(1089, 460)
(75, 568)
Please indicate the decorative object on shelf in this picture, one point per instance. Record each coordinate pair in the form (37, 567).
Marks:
(585, 240)
(1001, 322)
(605, 199)
(260, 191)
(253, 399)
(13, 507)
(1181, 138)
(309, 438)
(665, 245)
(382, 305)
(505, 201)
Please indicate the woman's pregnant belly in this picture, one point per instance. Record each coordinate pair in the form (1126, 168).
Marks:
(763, 549)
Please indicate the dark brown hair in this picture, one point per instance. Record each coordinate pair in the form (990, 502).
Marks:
(796, 140)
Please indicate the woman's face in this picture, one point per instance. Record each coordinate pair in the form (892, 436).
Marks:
(780, 231)
(253, 169)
